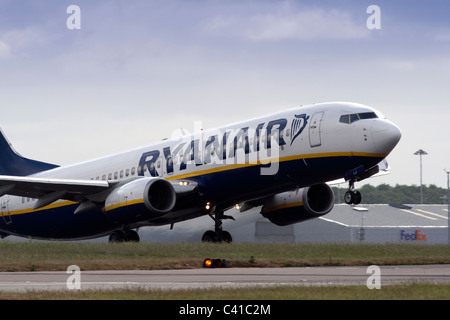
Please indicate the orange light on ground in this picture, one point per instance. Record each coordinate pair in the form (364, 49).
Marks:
(214, 263)
(207, 263)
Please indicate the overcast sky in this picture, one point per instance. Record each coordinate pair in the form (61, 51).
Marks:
(139, 69)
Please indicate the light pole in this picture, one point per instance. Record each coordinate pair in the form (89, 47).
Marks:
(421, 153)
(448, 204)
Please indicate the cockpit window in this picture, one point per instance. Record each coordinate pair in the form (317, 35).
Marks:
(367, 115)
(350, 118)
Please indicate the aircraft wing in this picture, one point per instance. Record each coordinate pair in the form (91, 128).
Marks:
(50, 190)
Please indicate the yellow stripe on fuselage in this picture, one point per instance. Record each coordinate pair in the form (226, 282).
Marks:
(50, 206)
(275, 160)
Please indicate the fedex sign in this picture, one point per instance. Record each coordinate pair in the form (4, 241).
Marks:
(416, 236)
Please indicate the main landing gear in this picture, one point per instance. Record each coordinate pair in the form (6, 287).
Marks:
(352, 196)
(124, 236)
(218, 235)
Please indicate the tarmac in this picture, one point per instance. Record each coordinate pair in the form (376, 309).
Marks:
(224, 278)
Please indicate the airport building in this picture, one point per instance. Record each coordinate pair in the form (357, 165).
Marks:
(368, 223)
(372, 223)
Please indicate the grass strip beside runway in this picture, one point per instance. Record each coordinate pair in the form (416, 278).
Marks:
(57, 256)
(413, 291)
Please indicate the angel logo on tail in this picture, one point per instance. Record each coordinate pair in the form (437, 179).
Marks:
(298, 124)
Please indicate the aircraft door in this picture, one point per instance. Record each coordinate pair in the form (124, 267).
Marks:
(4, 209)
(314, 129)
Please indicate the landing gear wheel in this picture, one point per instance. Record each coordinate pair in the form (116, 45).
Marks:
(209, 236)
(348, 197)
(352, 197)
(124, 236)
(117, 236)
(358, 197)
(131, 236)
(226, 237)
(218, 235)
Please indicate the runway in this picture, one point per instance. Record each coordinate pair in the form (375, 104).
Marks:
(220, 278)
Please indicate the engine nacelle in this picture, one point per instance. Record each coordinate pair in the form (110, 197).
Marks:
(300, 205)
(140, 200)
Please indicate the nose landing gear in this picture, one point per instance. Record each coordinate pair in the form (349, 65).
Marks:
(352, 196)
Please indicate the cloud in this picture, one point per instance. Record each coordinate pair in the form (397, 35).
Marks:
(289, 24)
(16, 41)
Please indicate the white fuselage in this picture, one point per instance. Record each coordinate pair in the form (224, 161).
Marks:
(246, 160)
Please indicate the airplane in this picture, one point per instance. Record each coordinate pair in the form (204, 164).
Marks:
(280, 162)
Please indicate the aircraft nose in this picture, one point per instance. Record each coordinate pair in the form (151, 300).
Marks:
(385, 136)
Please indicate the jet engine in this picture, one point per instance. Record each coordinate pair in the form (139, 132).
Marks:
(299, 205)
(149, 197)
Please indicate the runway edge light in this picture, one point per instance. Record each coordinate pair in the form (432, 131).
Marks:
(214, 263)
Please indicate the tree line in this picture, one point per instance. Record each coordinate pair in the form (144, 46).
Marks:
(400, 194)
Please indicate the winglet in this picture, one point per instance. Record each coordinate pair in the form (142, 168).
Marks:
(13, 164)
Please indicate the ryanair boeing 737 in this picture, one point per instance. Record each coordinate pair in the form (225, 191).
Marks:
(281, 163)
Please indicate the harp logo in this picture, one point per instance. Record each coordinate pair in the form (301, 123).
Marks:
(298, 125)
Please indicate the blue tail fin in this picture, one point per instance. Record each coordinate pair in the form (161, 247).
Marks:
(13, 164)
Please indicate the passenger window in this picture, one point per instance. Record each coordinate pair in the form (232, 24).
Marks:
(121, 174)
(110, 176)
(127, 172)
(133, 171)
(104, 177)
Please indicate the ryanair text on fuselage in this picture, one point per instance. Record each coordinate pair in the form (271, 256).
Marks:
(228, 146)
